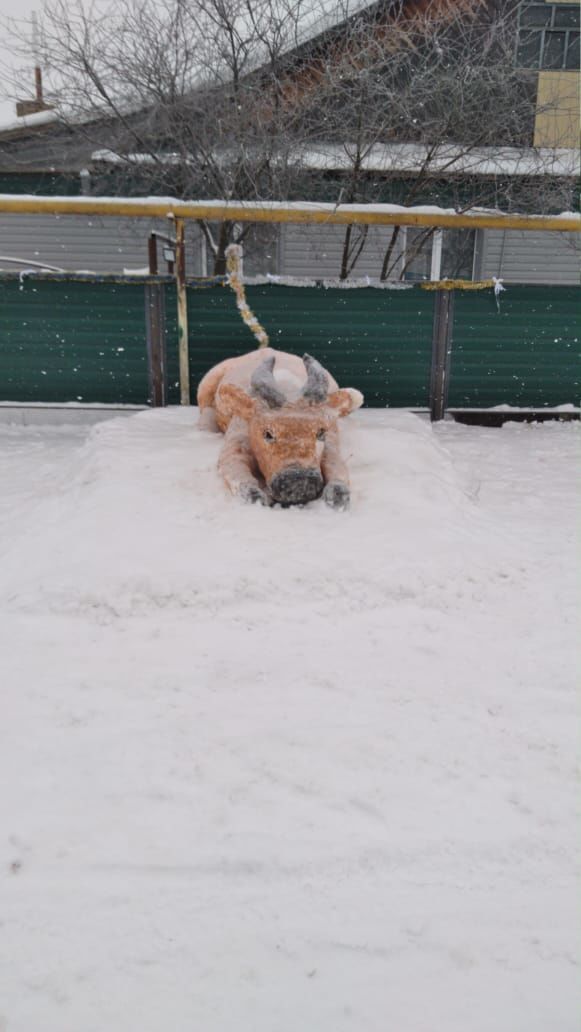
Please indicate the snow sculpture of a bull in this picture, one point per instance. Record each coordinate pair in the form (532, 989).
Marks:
(279, 416)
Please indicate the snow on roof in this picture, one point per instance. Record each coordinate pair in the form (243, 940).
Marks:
(409, 158)
(448, 159)
(29, 121)
(111, 157)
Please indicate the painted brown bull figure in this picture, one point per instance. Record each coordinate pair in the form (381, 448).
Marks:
(279, 416)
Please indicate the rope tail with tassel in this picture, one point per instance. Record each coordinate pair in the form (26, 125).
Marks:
(233, 260)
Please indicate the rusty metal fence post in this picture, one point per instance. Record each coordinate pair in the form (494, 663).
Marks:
(155, 340)
(441, 353)
(183, 346)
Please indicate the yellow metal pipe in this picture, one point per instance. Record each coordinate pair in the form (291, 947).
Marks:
(239, 211)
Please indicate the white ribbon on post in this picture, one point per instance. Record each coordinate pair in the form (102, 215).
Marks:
(498, 288)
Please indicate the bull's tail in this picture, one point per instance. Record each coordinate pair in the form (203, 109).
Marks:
(233, 256)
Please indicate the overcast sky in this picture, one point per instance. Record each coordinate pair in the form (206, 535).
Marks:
(12, 9)
(22, 10)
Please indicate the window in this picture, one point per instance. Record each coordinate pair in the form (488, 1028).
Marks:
(260, 249)
(457, 254)
(417, 255)
(446, 254)
(548, 36)
(259, 241)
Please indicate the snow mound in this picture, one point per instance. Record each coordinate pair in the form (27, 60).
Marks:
(277, 769)
(139, 518)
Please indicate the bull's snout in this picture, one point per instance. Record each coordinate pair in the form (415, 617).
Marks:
(296, 485)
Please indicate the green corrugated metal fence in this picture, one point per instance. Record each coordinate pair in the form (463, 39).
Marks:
(376, 340)
(85, 341)
(526, 355)
(72, 341)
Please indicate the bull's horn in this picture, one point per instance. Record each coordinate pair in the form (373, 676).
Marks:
(264, 385)
(316, 388)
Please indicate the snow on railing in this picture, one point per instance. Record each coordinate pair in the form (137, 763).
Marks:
(303, 212)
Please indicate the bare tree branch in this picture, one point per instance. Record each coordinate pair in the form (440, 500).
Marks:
(245, 98)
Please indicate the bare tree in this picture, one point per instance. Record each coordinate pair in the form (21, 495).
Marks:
(180, 96)
(255, 99)
(427, 93)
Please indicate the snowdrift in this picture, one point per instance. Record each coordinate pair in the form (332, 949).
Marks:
(139, 518)
(273, 770)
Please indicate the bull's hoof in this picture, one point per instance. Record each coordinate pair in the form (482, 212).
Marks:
(337, 495)
(251, 493)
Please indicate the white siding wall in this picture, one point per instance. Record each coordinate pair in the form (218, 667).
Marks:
(528, 257)
(78, 243)
(315, 251)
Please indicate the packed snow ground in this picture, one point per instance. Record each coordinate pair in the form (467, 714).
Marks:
(280, 770)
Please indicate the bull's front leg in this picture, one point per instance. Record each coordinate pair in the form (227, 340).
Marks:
(334, 469)
(238, 466)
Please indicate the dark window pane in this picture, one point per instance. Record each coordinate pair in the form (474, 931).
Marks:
(418, 255)
(536, 14)
(567, 17)
(554, 50)
(457, 254)
(260, 249)
(572, 60)
(529, 49)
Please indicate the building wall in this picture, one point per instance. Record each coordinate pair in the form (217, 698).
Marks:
(77, 243)
(521, 257)
(528, 257)
(558, 109)
(315, 251)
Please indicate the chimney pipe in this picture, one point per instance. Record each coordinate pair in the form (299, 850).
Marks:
(31, 107)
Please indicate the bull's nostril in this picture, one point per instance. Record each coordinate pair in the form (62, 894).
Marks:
(296, 486)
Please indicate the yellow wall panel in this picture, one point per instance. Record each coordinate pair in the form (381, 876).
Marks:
(557, 116)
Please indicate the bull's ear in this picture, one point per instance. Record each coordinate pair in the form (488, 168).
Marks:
(345, 400)
(235, 402)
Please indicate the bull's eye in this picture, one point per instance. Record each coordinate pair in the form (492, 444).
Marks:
(321, 434)
(269, 436)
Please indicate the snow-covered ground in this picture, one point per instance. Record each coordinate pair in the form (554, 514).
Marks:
(280, 770)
